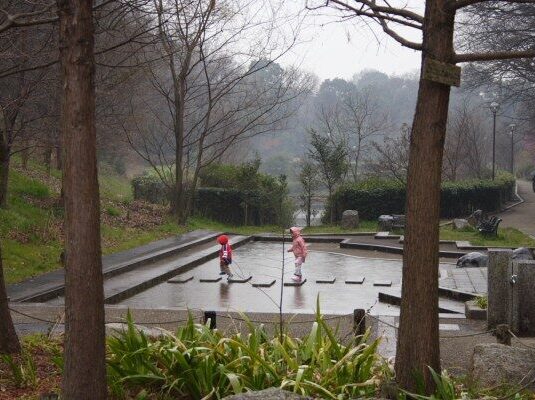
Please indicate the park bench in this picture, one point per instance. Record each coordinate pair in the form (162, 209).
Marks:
(489, 226)
(398, 221)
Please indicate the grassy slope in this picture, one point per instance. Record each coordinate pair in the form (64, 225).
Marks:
(31, 226)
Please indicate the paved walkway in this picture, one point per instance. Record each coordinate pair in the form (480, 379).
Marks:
(522, 216)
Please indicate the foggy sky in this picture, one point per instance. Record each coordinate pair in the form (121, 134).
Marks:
(331, 48)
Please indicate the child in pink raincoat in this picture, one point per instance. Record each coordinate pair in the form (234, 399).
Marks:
(299, 248)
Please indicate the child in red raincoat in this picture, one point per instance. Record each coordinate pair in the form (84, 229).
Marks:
(225, 255)
(299, 248)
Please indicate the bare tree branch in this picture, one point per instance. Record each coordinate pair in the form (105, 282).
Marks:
(458, 4)
(493, 56)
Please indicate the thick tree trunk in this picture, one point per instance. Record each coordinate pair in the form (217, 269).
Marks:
(4, 174)
(85, 368)
(9, 342)
(418, 341)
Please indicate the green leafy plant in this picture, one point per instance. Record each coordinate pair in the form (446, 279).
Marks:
(197, 362)
(445, 387)
(112, 211)
(482, 302)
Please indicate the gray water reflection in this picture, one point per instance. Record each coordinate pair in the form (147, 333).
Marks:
(264, 262)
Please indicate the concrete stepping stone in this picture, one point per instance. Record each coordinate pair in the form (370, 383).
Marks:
(449, 327)
(292, 283)
(181, 279)
(267, 283)
(443, 327)
(359, 280)
(382, 283)
(382, 235)
(238, 279)
(329, 279)
(211, 279)
(462, 244)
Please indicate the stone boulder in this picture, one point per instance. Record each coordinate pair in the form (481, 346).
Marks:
(475, 218)
(350, 219)
(522, 253)
(494, 364)
(460, 224)
(385, 223)
(268, 394)
(473, 260)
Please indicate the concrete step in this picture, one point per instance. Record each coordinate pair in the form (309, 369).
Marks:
(132, 282)
(52, 284)
(445, 305)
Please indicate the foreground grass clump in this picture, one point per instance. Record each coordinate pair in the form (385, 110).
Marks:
(197, 362)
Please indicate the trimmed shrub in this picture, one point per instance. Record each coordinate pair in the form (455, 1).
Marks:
(376, 197)
(223, 205)
(150, 188)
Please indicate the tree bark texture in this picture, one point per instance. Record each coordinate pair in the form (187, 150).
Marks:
(9, 342)
(85, 369)
(418, 340)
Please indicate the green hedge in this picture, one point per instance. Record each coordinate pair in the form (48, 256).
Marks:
(458, 199)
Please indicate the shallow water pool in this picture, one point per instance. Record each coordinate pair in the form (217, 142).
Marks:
(263, 261)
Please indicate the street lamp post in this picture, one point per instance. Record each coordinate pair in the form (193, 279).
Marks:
(512, 126)
(494, 106)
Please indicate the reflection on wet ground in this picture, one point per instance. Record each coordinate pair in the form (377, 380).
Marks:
(264, 262)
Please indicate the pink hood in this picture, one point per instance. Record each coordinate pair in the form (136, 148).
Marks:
(298, 247)
(295, 231)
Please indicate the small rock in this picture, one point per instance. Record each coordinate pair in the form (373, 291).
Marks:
(459, 224)
(473, 260)
(494, 364)
(350, 219)
(268, 394)
(522, 253)
(385, 223)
